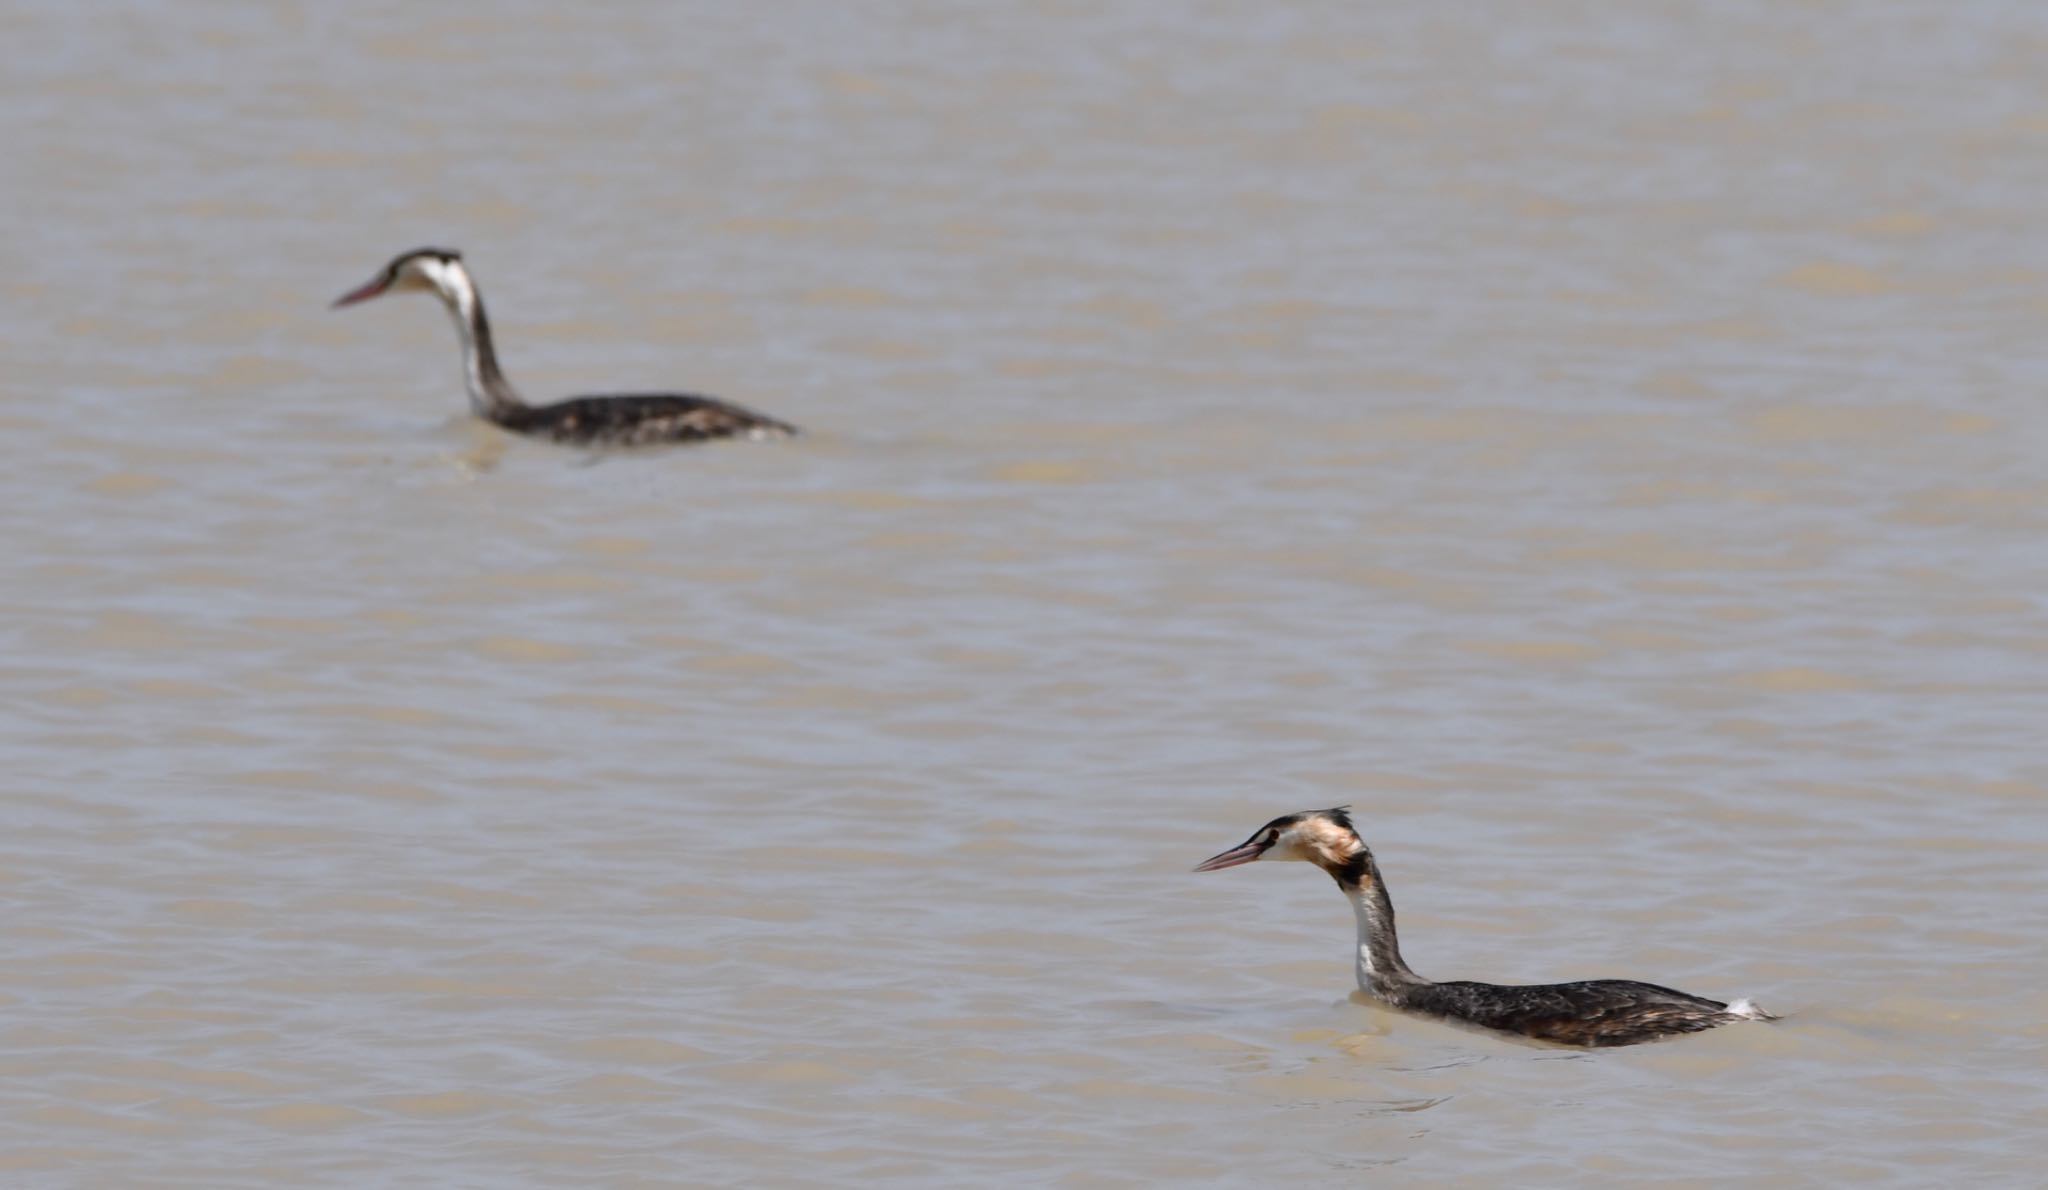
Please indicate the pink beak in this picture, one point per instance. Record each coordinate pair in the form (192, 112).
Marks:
(1243, 853)
(376, 286)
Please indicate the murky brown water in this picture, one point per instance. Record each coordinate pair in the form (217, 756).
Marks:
(1604, 444)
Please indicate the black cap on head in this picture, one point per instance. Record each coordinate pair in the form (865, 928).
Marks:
(444, 254)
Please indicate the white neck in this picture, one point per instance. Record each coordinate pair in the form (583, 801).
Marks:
(1380, 967)
(489, 391)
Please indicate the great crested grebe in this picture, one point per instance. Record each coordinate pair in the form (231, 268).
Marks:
(628, 419)
(1597, 1012)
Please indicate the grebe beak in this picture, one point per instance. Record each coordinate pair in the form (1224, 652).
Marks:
(1243, 853)
(376, 286)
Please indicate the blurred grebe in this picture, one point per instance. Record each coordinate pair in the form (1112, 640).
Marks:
(1596, 1012)
(629, 419)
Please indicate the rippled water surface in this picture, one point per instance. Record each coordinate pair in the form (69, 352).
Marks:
(1602, 444)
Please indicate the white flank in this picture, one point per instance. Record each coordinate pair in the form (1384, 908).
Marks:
(1747, 1011)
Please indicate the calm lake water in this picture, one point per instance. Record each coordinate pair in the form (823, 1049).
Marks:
(1602, 444)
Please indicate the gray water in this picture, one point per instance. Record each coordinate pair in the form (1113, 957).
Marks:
(1602, 444)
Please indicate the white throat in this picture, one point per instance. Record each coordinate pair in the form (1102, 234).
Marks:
(1367, 913)
(457, 292)
(451, 280)
(1382, 973)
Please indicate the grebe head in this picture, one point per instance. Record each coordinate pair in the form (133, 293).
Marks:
(437, 270)
(1324, 838)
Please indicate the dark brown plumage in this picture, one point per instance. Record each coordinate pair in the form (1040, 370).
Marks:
(1597, 1012)
(639, 419)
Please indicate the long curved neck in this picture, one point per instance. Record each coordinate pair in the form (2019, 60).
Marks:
(490, 395)
(1381, 970)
